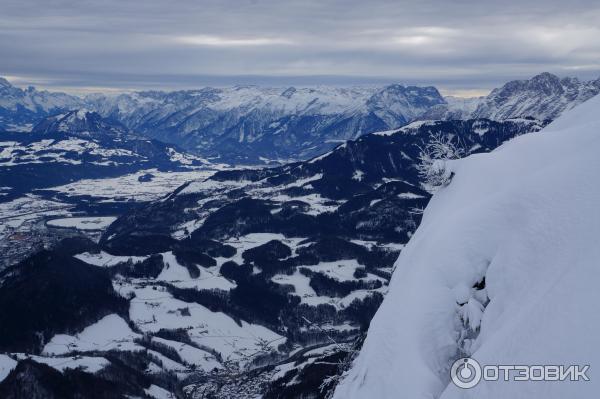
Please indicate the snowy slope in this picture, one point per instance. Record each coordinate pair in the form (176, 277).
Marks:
(525, 219)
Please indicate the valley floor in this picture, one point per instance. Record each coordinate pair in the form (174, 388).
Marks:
(45, 216)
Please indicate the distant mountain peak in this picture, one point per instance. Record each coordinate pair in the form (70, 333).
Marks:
(544, 96)
(4, 82)
(82, 123)
(397, 104)
(547, 76)
(545, 83)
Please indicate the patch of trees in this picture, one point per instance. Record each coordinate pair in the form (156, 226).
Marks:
(50, 293)
(331, 287)
(150, 267)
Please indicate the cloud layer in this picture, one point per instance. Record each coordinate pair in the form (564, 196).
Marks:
(464, 44)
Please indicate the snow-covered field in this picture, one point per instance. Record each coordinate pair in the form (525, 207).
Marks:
(154, 308)
(7, 364)
(178, 275)
(307, 294)
(503, 268)
(248, 241)
(317, 203)
(24, 220)
(83, 223)
(340, 271)
(20, 211)
(13, 153)
(129, 187)
(89, 364)
(110, 333)
(104, 259)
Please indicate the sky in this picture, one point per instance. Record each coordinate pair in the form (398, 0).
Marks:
(463, 47)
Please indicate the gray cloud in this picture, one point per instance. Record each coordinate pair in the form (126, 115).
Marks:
(465, 44)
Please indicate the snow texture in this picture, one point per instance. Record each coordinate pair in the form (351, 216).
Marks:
(6, 366)
(83, 223)
(89, 364)
(111, 332)
(104, 259)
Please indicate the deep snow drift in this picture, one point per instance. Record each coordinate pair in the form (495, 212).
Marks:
(524, 217)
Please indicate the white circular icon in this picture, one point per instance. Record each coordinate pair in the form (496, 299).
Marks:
(465, 373)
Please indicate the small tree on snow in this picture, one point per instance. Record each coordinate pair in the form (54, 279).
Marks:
(432, 167)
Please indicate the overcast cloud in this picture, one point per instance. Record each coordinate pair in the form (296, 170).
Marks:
(463, 46)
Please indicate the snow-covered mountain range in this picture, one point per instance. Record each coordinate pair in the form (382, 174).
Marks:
(21, 109)
(502, 269)
(242, 124)
(250, 124)
(78, 145)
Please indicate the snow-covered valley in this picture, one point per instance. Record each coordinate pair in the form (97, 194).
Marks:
(155, 273)
(239, 282)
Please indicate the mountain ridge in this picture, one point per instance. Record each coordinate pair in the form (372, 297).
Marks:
(82, 144)
(544, 96)
(254, 125)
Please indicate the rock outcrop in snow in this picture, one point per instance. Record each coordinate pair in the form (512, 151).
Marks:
(503, 268)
